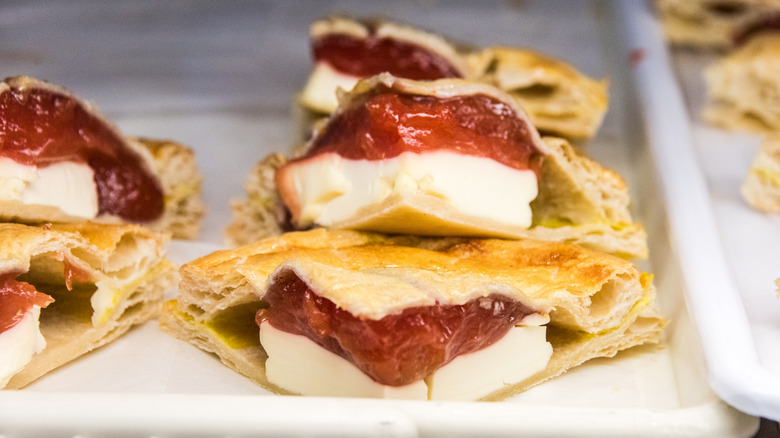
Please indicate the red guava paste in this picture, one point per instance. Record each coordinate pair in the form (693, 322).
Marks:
(389, 124)
(369, 56)
(16, 299)
(398, 349)
(40, 127)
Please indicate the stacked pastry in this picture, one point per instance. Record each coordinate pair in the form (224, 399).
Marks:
(421, 246)
(86, 215)
(551, 93)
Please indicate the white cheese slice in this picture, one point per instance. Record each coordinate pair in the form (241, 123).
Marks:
(332, 189)
(319, 93)
(299, 365)
(19, 343)
(521, 353)
(67, 185)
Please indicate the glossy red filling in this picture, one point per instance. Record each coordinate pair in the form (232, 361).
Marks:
(389, 124)
(398, 349)
(40, 127)
(16, 299)
(364, 57)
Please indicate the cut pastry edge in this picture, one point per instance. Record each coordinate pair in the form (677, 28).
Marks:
(559, 99)
(101, 301)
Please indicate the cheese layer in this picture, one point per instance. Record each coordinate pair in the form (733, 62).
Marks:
(297, 364)
(331, 189)
(319, 94)
(19, 343)
(67, 185)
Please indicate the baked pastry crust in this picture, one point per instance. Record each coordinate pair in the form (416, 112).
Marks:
(599, 304)
(126, 267)
(713, 24)
(743, 89)
(559, 99)
(579, 201)
(171, 163)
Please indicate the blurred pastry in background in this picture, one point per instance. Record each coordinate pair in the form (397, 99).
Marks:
(743, 87)
(62, 161)
(346, 313)
(716, 24)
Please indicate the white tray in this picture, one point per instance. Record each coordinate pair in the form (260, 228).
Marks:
(730, 252)
(220, 77)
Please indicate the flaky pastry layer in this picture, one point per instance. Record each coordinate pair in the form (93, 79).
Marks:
(126, 271)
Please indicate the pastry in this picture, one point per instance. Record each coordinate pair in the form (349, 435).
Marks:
(716, 24)
(743, 89)
(62, 161)
(558, 98)
(344, 313)
(66, 289)
(474, 165)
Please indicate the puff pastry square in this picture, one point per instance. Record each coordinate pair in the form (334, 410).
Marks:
(601, 304)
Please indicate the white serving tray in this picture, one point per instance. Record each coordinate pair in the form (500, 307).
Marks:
(220, 77)
(730, 252)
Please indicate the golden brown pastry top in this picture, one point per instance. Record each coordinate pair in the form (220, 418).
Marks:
(586, 290)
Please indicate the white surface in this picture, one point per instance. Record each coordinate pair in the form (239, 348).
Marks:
(728, 251)
(219, 76)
